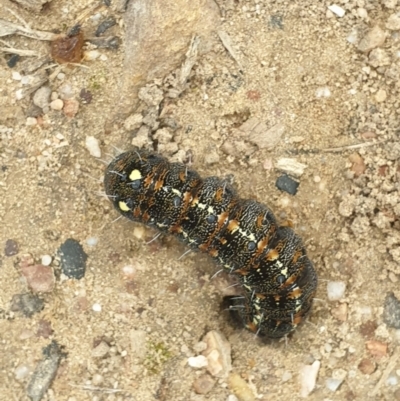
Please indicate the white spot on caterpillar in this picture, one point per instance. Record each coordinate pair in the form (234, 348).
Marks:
(135, 175)
(123, 206)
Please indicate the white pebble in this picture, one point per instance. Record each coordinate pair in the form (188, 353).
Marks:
(92, 145)
(336, 290)
(16, 76)
(308, 378)
(41, 98)
(60, 76)
(353, 37)
(97, 379)
(333, 384)
(339, 11)
(92, 241)
(323, 92)
(21, 372)
(91, 55)
(46, 260)
(232, 397)
(197, 361)
(128, 271)
(96, 307)
(103, 57)
(57, 104)
(26, 80)
(392, 380)
(31, 121)
(19, 94)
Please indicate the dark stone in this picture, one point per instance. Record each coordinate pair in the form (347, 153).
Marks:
(45, 372)
(104, 25)
(13, 60)
(73, 259)
(86, 96)
(391, 311)
(287, 184)
(11, 248)
(28, 304)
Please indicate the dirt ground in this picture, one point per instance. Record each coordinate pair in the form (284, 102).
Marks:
(301, 67)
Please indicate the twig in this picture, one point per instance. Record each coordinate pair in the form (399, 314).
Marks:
(227, 42)
(100, 389)
(10, 28)
(390, 366)
(21, 52)
(18, 17)
(357, 146)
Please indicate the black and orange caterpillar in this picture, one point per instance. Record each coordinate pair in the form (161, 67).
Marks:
(270, 261)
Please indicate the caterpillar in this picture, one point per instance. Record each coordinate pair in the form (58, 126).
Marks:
(270, 262)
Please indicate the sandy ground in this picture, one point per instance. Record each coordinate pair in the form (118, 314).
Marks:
(301, 68)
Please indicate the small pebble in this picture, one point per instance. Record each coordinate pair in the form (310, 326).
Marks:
(41, 98)
(44, 329)
(71, 107)
(106, 24)
(129, 271)
(101, 350)
(333, 384)
(21, 372)
(391, 311)
(97, 379)
(336, 290)
(28, 304)
(45, 372)
(30, 121)
(339, 11)
(197, 362)
(203, 384)
(57, 104)
(393, 23)
(218, 354)
(13, 60)
(11, 248)
(323, 92)
(92, 145)
(366, 366)
(92, 241)
(287, 184)
(377, 348)
(375, 37)
(96, 307)
(380, 96)
(73, 259)
(308, 378)
(16, 76)
(91, 55)
(39, 278)
(60, 76)
(392, 380)
(46, 260)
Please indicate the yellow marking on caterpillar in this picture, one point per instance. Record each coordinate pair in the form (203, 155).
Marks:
(135, 175)
(123, 206)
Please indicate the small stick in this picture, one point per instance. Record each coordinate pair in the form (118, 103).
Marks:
(357, 146)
